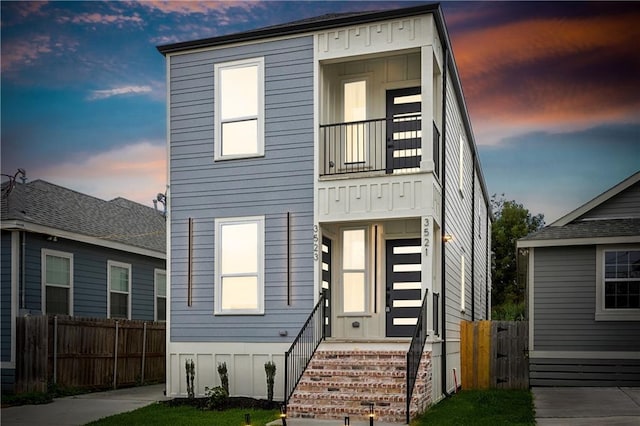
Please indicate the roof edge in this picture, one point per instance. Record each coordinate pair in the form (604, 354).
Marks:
(595, 202)
(303, 27)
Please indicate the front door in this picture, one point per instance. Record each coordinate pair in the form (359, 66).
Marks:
(403, 288)
(404, 124)
(326, 284)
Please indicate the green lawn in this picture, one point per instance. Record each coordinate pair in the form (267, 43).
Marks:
(487, 407)
(160, 414)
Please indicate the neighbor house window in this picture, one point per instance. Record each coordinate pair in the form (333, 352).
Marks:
(160, 279)
(119, 293)
(353, 270)
(618, 283)
(355, 109)
(239, 109)
(57, 282)
(239, 265)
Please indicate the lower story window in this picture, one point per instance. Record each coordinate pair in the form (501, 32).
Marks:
(57, 282)
(119, 295)
(618, 283)
(161, 294)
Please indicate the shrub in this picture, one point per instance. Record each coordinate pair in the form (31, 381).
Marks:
(216, 397)
(270, 369)
(224, 376)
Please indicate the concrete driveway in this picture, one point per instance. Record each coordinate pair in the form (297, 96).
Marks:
(82, 409)
(587, 406)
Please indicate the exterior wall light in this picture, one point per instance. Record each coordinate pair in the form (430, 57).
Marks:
(447, 237)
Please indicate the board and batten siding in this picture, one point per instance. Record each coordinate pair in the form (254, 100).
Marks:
(565, 305)
(278, 183)
(624, 205)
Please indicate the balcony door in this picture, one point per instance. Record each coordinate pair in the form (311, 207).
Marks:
(404, 129)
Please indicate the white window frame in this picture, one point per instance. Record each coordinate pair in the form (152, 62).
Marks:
(127, 266)
(609, 314)
(219, 223)
(259, 62)
(43, 266)
(157, 271)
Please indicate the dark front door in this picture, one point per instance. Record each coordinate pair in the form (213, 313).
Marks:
(326, 284)
(404, 125)
(404, 288)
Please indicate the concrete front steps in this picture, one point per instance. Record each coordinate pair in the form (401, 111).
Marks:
(343, 382)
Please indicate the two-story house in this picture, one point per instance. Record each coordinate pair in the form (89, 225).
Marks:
(327, 212)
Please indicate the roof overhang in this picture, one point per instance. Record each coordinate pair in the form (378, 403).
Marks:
(17, 225)
(578, 241)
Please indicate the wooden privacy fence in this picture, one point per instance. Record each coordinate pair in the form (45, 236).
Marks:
(87, 353)
(494, 354)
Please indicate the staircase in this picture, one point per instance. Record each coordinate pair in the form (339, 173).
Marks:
(341, 383)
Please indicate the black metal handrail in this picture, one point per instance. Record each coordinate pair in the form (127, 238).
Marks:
(366, 146)
(299, 355)
(414, 354)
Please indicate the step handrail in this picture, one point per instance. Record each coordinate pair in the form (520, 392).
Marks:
(414, 354)
(303, 348)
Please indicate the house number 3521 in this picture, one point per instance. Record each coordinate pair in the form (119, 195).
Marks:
(316, 245)
(425, 236)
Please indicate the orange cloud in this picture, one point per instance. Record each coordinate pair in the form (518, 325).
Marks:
(136, 172)
(550, 73)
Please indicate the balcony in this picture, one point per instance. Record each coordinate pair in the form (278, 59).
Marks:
(375, 147)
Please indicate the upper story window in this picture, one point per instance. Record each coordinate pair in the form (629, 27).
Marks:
(239, 265)
(57, 282)
(239, 109)
(119, 292)
(160, 284)
(618, 284)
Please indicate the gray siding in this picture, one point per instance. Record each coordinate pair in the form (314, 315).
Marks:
(90, 277)
(8, 379)
(623, 205)
(460, 207)
(6, 338)
(565, 304)
(270, 186)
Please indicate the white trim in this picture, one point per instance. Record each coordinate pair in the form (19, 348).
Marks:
(127, 266)
(157, 271)
(461, 145)
(168, 218)
(260, 221)
(462, 285)
(218, 67)
(15, 267)
(602, 313)
(615, 190)
(578, 241)
(43, 273)
(13, 225)
(585, 354)
(531, 294)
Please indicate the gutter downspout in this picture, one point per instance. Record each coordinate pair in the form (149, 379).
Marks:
(443, 289)
(473, 237)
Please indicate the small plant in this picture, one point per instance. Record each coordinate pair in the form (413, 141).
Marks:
(190, 370)
(216, 397)
(224, 376)
(270, 369)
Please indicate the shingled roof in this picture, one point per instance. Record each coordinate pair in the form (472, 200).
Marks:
(119, 220)
(588, 229)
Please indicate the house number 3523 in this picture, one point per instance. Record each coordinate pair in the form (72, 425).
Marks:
(425, 236)
(316, 245)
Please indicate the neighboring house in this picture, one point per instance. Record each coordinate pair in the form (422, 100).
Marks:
(584, 293)
(67, 253)
(323, 161)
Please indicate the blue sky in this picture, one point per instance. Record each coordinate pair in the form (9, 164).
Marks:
(552, 90)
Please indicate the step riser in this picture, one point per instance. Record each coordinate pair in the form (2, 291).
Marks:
(340, 383)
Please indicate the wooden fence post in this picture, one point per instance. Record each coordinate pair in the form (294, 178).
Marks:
(115, 357)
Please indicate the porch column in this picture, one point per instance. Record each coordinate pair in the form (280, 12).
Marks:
(427, 266)
(426, 67)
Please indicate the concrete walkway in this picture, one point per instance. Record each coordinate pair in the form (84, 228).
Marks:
(587, 406)
(82, 409)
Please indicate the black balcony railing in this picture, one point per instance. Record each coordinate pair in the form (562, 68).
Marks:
(299, 355)
(378, 145)
(414, 354)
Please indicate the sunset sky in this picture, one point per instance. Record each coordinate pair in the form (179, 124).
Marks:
(553, 90)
